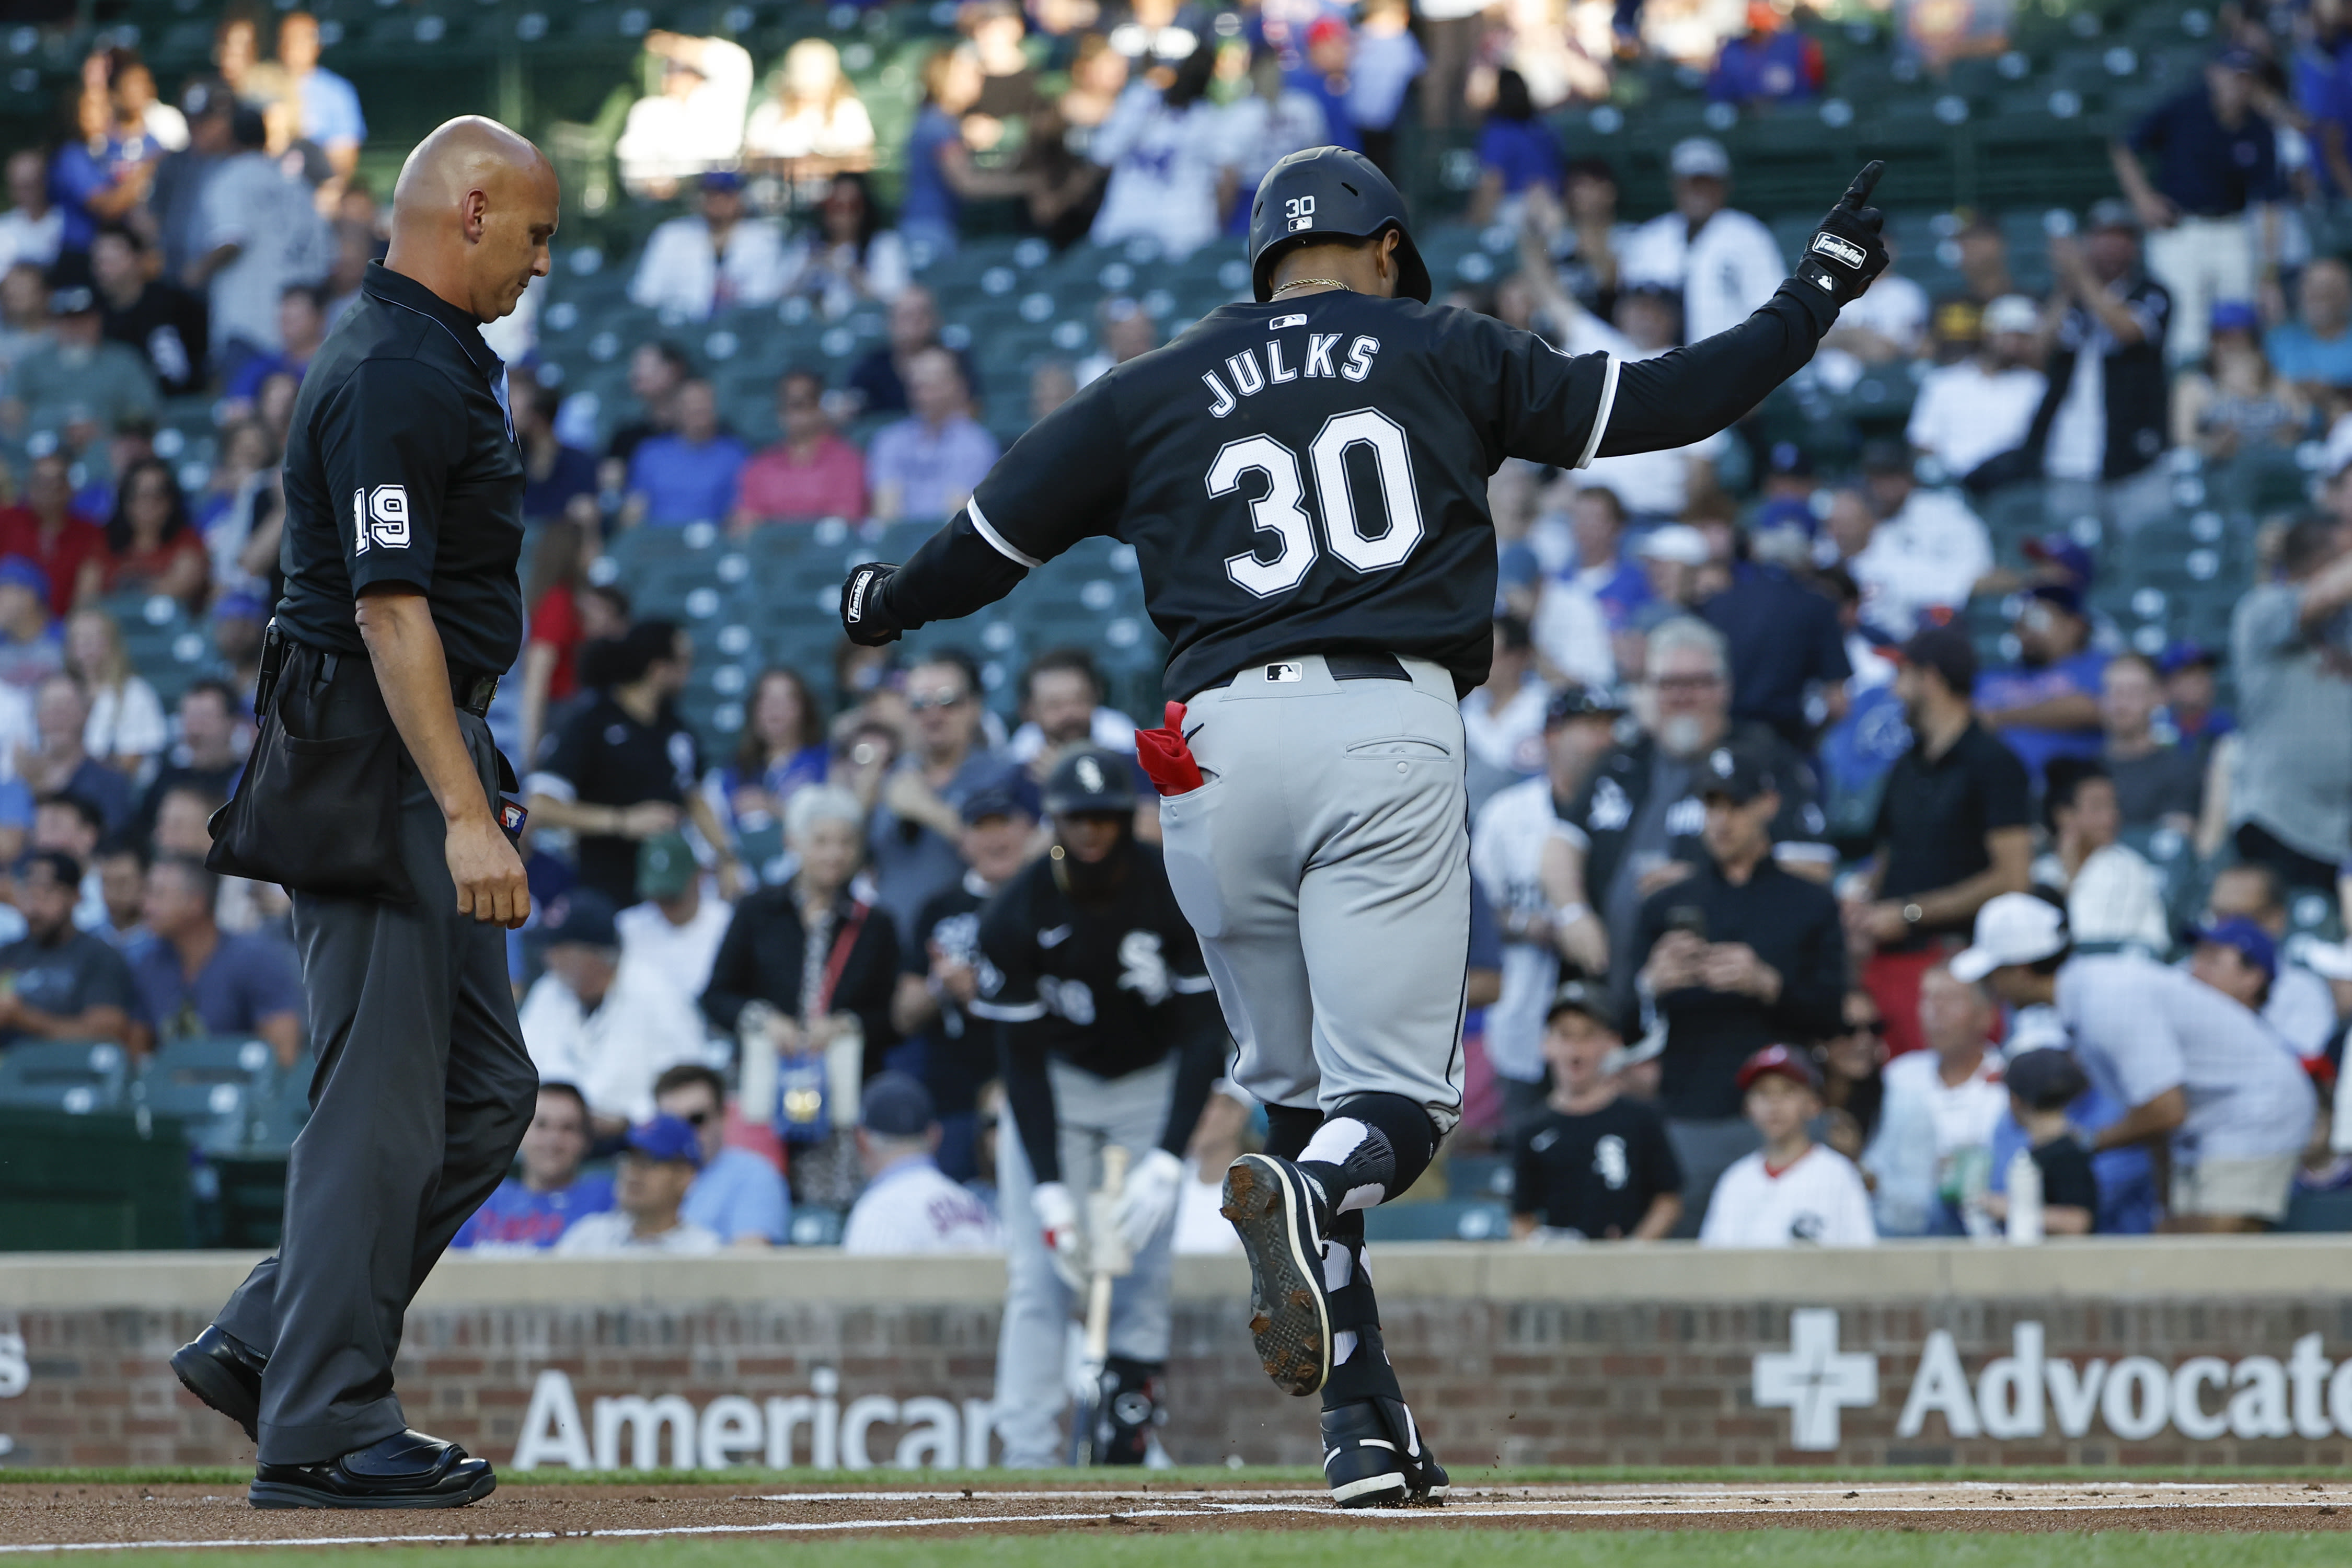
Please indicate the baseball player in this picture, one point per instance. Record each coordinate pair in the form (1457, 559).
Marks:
(1303, 478)
(1108, 1034)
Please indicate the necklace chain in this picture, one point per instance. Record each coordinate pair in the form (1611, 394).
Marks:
(1308, 283)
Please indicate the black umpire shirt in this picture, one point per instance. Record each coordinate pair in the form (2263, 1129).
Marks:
(1307, 475)
(402, 467)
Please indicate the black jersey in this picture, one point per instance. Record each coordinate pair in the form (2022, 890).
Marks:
(1597, 1173)
(962, 1054)
(1307, 475)
(1099, 981)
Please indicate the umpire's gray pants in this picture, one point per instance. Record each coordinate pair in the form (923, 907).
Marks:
(420, 1098)
(1326, 866)
(1033, 1386)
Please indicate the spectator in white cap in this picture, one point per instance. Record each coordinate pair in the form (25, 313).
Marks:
(1671, 558)
(1983, 406)
(1723, 262)
(2192, 1065)
(1886, 327)
(908, 1205)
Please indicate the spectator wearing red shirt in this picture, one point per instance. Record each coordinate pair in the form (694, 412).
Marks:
(566, 611)
(155, 548)
(70, 550)
(812, 473)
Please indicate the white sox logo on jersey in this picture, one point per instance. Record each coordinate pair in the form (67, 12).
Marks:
(1143, 969)
(380, 516)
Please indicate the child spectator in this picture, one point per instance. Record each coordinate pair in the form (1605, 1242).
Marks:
(659, 1160)
(1517, 154)
(530, 1212)
(2042, 1085)
(738, 1195)
(1790, 1192)
(1593, 1165)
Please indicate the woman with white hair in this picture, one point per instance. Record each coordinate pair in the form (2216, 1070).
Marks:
(810, 969)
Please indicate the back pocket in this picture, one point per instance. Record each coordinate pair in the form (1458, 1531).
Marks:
(1409, 747)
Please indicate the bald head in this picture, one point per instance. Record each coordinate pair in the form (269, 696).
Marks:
(472, 214)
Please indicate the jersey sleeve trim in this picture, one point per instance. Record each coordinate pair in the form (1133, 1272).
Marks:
(1004, 1013)
(1004, 546)
(1601, 415)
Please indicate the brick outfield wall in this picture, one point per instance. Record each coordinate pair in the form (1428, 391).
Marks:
(1631, 1384)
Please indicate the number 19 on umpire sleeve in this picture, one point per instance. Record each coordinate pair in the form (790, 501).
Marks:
(1281, 510)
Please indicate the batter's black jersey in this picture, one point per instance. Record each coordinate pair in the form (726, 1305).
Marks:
(401, 468)
(1307, 475)
(1105, 983)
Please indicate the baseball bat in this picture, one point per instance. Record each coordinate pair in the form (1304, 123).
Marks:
(1108, 1260)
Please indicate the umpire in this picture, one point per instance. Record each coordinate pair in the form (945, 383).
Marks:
(1109, 1034)
(374, 795)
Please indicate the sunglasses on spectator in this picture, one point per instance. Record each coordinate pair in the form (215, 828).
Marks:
(923, 702)
(1688, 682)
(694, 1118)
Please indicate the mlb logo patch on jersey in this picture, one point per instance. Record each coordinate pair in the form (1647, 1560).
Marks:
(1281, 321)
(1282, 672)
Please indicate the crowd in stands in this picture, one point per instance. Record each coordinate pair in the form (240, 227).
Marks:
(1779, 868)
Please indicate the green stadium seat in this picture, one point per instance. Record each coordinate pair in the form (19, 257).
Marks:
(221, 1087)
(74, 1076)
(1450, 1219)
(815, 1227)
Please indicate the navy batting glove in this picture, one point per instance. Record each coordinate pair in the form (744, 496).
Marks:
(1846, 252)
(863, 619)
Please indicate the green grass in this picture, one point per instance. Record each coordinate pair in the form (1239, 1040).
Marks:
(1404, 1547)
(1220, 1476)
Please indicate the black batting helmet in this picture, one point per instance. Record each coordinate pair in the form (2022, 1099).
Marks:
(1329, 193)
(1091, 783)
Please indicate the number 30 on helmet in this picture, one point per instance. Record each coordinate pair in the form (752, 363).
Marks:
(1329, 193)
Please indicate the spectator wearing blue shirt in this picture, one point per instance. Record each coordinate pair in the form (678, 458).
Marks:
(327, 105)
(2047, 704)
(1770, 63)
(1517, 151)
(689, 475)
(1787, 647)
(2314, 351)
(553, 475)
(927, 465)
(1330, 51)
(2217, 170)
(94, 179)
(530, 1212)
(195, 980)
(737, 1194)
(302, 328)
(1387, 63)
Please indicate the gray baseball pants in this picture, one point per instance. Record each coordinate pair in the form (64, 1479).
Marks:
(1326, 866)
(418, 1105)
(1032, 1344)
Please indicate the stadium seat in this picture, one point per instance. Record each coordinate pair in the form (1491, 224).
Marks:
(1452, 1219)
(220, 1086)
(74, 1076)
(815, 1227)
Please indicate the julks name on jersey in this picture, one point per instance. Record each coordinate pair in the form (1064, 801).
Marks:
(1322, 361)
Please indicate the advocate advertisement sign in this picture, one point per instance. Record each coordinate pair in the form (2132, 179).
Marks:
(2029, 1393)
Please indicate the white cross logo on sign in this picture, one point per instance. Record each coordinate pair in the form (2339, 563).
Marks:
(1815, 1381)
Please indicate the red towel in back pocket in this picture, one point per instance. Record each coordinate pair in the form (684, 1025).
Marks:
(1167, 757)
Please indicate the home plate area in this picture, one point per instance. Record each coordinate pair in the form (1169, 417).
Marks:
(37, 1519)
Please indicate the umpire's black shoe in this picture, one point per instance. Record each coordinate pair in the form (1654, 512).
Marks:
(407, 1469)
(223, 1372)
(1278, 1214)
(1373, 1457)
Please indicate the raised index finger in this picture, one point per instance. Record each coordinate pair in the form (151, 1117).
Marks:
(1857, 195)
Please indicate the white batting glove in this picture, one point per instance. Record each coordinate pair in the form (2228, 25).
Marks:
(1148, 1197)
(1057, 1214)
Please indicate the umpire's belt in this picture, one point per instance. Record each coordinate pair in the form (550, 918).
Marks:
(1343, 667)
(472, 693)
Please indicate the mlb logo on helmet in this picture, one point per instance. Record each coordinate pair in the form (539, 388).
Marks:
(1843, 251)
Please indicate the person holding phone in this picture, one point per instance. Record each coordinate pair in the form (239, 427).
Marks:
(1738, 955)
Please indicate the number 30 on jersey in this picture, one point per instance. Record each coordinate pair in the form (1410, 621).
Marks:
(1281, 512)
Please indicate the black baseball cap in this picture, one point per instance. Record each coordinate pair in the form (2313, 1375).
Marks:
(1881, 455)
(1581, 996)
(1578, 700)
(1089, 783)
(1738, 772)
(1016, 797)
(1944, 649)
(896, 1105)
(2044, 1079)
